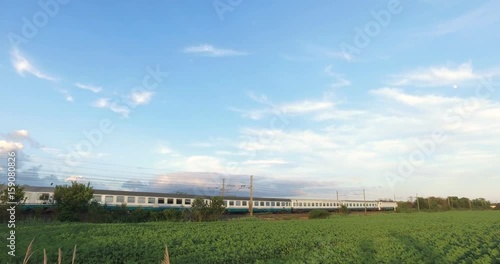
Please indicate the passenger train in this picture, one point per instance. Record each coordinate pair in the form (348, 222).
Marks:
(43, 197)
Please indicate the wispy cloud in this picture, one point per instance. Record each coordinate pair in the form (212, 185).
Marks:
(105, 103)
(141, 97)
(23, 65)
(339, 55)
(339, 80)
(92, 88)
(300, 107)
(480, 17)
(67, 96)
(209, 50)
(414, 100)
(448, 75)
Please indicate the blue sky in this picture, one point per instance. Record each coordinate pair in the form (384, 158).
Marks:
(395, 97)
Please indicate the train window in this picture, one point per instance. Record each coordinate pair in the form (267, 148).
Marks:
(161, 200)
(279, 203)
(187, 201)
(178, 201)
(300, 204)
(151, 200)
(170, 200)
(108, 199)
(268, 204)
(120, 199)
(238, 203)
(273, 203)
(131, 199)
(256, 203)
(224, 203)
(244, 203)
(97, 198)
(141, 200)
(231, 203)
(261, 203)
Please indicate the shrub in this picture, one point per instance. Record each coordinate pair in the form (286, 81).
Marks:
(344, 210)
(318, 214)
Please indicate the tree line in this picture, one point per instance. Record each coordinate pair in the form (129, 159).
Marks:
(448, 203)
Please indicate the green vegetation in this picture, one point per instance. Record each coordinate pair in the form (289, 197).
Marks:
(443, 204)
(442, 237)
(319, 214)
(72, 201)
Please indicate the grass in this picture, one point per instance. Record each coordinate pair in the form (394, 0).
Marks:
(445, 237)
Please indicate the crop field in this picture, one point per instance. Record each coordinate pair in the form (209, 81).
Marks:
(446, 237)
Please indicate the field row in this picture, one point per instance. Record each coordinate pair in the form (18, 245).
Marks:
(447, 237)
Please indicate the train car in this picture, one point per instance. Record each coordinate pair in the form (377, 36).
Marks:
(305, 205)
(260, 205)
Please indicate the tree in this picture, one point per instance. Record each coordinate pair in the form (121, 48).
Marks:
(216, 208)
(199, 209)
(202, 211)
(12, 193)
(72, 201)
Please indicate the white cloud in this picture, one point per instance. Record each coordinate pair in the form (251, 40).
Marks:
(339, 80)
(67, 96)
(211, 51)
(105, 103)
(91, 88)
(340, 55)
(76, 178)
(203, 164)
(484, 15)
(141, 97)
(414, 100)
(22, 65)
(266, 163)
(6, 146)
(281, 110)
(447, 76)
(201, 144)
(336, 114)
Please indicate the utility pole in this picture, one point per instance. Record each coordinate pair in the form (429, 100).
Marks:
(470, 205)
(449, 205)
(223, 187)
(364, 199)
(394, 198)
(429, 202)
(250, 207)
(418, 204)
(337, 195)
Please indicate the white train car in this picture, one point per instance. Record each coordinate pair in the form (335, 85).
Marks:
(304, 205)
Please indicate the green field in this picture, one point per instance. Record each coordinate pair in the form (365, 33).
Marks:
(445, 237)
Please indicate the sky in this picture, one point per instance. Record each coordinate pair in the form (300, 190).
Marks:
(397, 98)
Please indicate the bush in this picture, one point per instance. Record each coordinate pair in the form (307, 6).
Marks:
(318, 214)
(172, 215)
(344, 210)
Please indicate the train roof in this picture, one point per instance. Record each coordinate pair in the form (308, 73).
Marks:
(156, 194)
